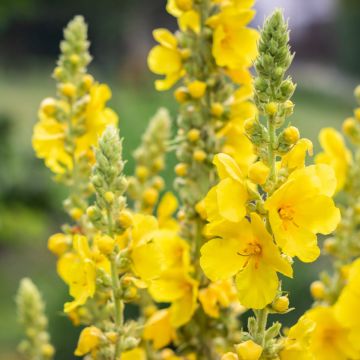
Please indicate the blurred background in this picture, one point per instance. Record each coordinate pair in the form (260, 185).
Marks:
(325, 37)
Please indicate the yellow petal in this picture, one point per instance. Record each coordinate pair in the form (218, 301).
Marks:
(159, 330)
(227, 167)
(167, 205)
(219, 258)
(134, 354)
(164, 61)
(89, 339)
(257, 285)
(270, 252)
(165, 38)
(190, 20)
(232, 197)
(326, 217)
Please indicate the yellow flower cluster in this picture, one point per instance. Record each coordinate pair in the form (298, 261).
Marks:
(246, 203)
(70, 125)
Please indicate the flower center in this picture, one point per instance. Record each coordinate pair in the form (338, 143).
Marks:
(286, 213)
(251, 250)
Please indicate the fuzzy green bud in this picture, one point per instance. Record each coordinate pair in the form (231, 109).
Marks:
(31, 314)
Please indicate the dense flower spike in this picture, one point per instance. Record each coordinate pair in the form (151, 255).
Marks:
(145, 185)
(284, 221)
(211, 54)
(31, 315)
(70, 124)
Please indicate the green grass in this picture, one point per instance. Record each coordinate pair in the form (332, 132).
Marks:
(30, 215)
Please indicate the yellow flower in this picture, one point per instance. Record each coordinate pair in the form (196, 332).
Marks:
(79, 272)
(88, 341)
(134, 354)
(97, 118)
(49, 135)
(234, 45)
(220, 294)
(144, 252)
(301, 208)
(159, 330)
(332, 339)
(297, 342)
(237, 144)
(295, 158)
(49, 144)
(251, 255)
(175, 251)
(335, 154)
(227, 200)
(166, 209)
(180, 289)
(187, 17)
(249, 350)
(165, 59)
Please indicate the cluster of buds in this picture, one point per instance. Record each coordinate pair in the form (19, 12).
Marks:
(145, 185)
(31, 313)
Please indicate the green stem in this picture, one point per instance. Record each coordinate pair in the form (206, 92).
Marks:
(261, 317)
(119, 305)
(271, 154)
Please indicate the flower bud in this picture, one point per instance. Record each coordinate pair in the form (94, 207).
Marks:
(59, 243)
(159, 183)
(105, 244)
(349, 126)
(217, 109)
(288, 108)
(201, 209)
(197, 89)
(291, 135)
(258, 173)
(181, 94)
(330, 245)
(74, 59)
(109, 197)
(249, 350)
(48, 106)
(58, 71)
(68, 89)
(150, 196)
(47, 350)
(125, 219)
(130, 342)
(317, 290)
(357, 114)
(281, 304)
(87, 80)
(112, 336)
(142, 172)
(181, 169)
(271, 108)
(199, 155)
(193, 135)
(76, 213)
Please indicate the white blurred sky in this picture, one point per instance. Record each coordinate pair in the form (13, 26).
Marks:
(301, 13)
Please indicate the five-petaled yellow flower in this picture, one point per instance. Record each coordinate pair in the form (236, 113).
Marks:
(301, 208)
(234, 45)
(250, 254)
